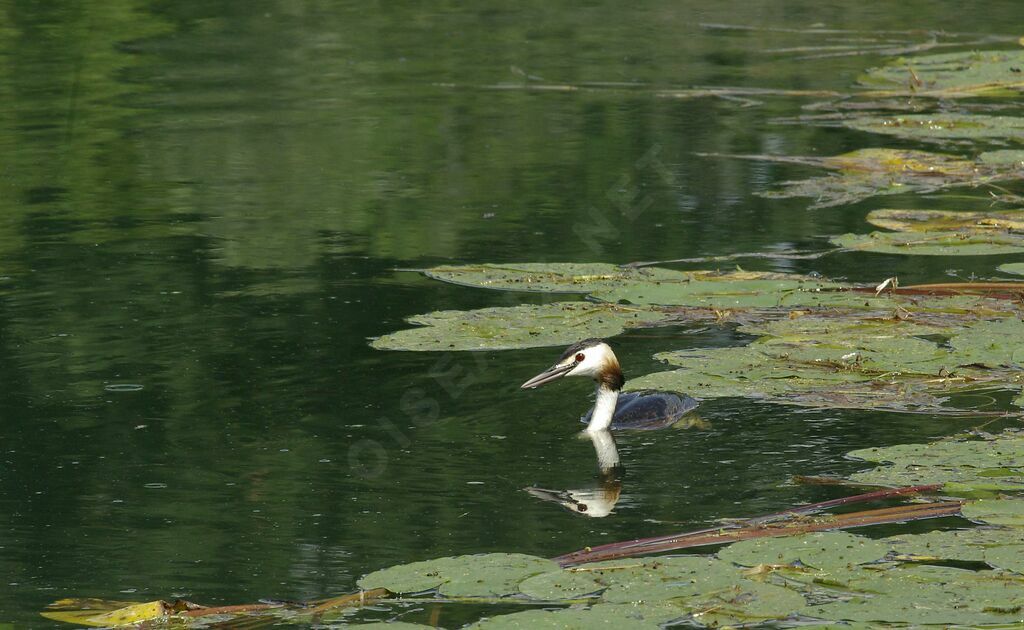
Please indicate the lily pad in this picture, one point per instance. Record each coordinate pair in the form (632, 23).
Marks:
(980, 243)
(962, 465)
(561, 584)
(952, 75)
(745, 602)
(1014, 268)
(941, 126)
(819, 361)
(965, 545)
(928, 595)
(485, 575)
(825, 551)
(1004, 511)
(650, 285)
(627, 616)
(870, 172)
(526, 326)
(948, 221)
(993, 344)
(105, 613)
(662, 579)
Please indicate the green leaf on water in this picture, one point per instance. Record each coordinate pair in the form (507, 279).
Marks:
(485, 575)
(993, 344)
(825, 551)
(964, 465)
(1014, 268)
(941, 126)
(643, 616)
(952, 75)
(948, 221)
(927, 595)
(865, 173)
(980, 243)
(836, 362)
(1003, 511)
(650, 285)
(526, 326)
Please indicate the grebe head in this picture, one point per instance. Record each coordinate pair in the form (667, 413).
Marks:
(590, 357)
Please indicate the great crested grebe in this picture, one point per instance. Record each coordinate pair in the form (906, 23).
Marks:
(635, 410)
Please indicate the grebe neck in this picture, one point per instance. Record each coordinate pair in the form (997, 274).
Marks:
(604, 408)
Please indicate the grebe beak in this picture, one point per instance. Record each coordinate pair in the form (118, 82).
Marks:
(551, 374)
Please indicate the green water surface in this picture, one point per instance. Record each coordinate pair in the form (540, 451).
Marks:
(205, 210)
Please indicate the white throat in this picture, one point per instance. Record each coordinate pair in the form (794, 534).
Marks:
(604, 408)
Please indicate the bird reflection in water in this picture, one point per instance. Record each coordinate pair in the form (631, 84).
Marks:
(597, 499)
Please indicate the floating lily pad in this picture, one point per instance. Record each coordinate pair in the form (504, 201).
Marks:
(826, 551)
(562, 584)
(105, 613)
(627, 616)
(933, 243)
(948, 221)
(1014, 268)
(941, 126)
(819, 361)
(553, 277)
(965, 545)
(709, 289)
(1005, 511)
(869, 172)
(952, 75)
(993, 344)
(928, 595)
(485, 575)
(660, 579)
(527, 326)
(745, 602)
(964, 466)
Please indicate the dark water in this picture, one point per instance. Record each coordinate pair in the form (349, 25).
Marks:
(202, 209)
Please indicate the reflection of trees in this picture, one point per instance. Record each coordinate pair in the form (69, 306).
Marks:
(185, 195)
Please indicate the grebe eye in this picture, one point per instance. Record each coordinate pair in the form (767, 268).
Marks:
(580, 357)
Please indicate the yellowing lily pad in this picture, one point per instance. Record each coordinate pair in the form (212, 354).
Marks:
(105, 613)
(948, 221)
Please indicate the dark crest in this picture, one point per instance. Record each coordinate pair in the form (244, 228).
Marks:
(579, 347)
